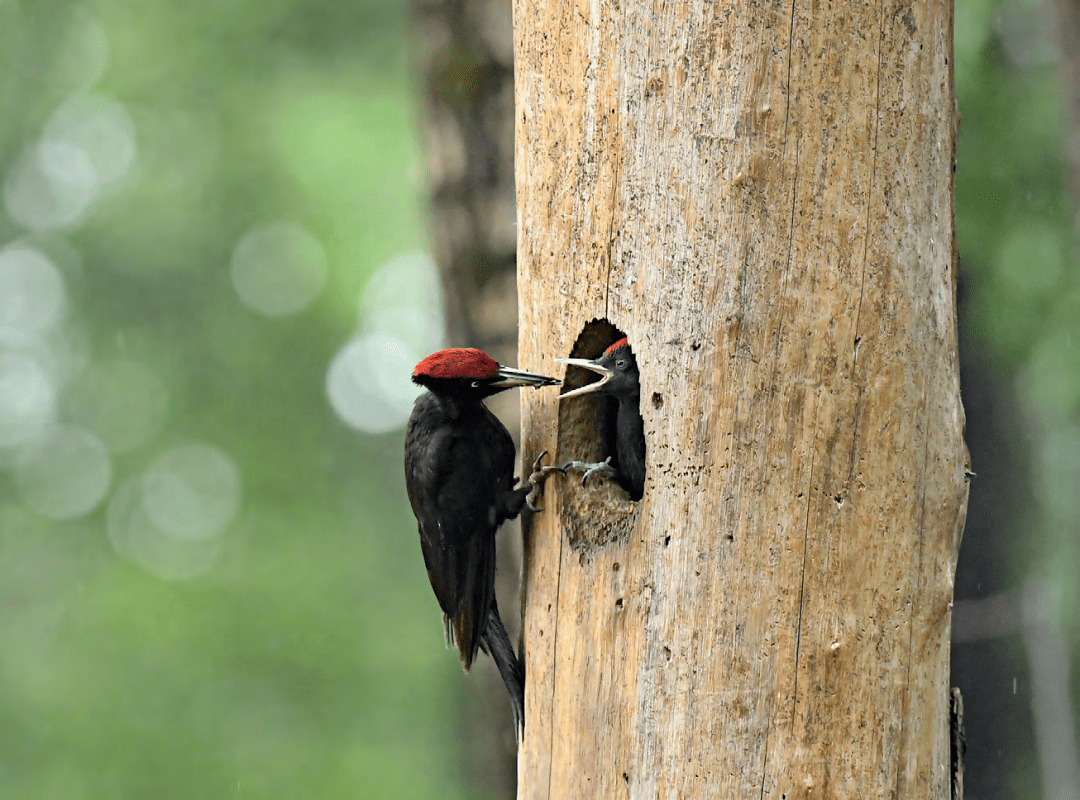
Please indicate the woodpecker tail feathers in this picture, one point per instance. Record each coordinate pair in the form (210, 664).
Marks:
(496, 642)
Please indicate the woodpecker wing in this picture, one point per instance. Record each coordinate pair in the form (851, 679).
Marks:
(458, 473)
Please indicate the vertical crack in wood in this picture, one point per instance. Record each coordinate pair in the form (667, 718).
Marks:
(765, 762)
(802, 584)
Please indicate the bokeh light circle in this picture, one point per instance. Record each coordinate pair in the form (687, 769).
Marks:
(401, 320)
(87, 150)
(134, 535)
(50, 186)
(62, 352)
(191, 491)
(278, 268)
(391, 362)
(27, 399)
(32, 297)
(369, 383)
(403, 300)
(102, 129)
(65, 473)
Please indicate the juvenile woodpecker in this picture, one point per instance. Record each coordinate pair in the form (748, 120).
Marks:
(459, 473)
(620, 381)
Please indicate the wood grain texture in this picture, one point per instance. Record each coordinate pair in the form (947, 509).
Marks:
(760, 196)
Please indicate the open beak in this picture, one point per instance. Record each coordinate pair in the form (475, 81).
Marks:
(605, 373)
(515, 377)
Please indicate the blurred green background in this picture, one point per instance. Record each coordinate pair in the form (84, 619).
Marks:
(212, 291)
(210, 584)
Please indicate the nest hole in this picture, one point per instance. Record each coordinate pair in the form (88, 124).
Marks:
(587, 424)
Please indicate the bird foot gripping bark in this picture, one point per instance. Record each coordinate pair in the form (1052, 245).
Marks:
(592, 468)
(536, 481)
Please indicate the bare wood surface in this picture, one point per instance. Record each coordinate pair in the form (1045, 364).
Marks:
(760, 197)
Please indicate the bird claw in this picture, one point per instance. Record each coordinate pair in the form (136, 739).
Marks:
(592, 468)
(536, 480)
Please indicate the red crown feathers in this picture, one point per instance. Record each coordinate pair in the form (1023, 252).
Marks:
(621, 343)
(458, 362)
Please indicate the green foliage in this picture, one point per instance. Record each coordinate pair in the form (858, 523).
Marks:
(307, 662)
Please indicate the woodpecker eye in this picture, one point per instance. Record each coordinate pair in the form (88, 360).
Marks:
(476, 384)
(621, 363)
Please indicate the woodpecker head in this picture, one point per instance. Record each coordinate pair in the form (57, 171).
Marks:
(466, 372)
(618, 370)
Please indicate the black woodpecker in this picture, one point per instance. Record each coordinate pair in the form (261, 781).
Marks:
(620, 381)
(459, 472)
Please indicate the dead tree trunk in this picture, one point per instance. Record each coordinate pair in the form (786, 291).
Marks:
(760, 197)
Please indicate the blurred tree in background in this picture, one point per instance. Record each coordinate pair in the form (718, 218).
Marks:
(213, 288)
(464, 55)
(1016, 653)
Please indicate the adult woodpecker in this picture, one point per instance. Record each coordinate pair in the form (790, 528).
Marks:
(620, 381)
(459, 472)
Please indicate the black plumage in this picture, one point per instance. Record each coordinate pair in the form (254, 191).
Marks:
(621, 382)
(459, 472)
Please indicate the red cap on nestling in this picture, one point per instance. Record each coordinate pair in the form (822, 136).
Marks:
(621, 343)
(458, 362)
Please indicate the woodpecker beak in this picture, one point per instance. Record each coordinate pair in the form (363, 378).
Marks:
(515, 377)
(606, 374)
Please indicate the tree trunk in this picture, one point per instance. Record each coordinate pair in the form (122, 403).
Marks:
(760, 197)
(1067, 19)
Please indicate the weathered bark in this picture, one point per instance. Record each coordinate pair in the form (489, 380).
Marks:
(760, 197)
